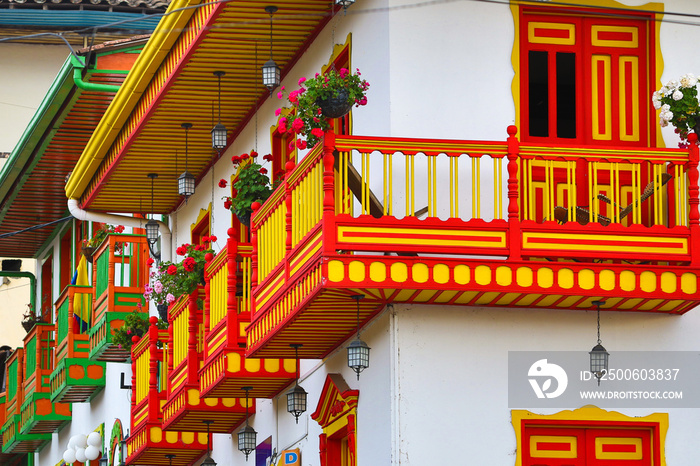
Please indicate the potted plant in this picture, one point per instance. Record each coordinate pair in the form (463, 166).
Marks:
(678, 102)
(171, 280)
(252, 184)
(89, 246)
(136, 324)
(29, 318)
(318, 99)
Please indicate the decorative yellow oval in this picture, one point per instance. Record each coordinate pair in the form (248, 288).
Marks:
(156, 435)
(647, 281)
(441, 273)
(171, 437)
(252, 365)
(336, 271)
(669, 282)
(689, 283)
(290, 365)
(228, 402)
(211, 401)
(482, 275)
(524, 276)
(628, 280)
(504, 276)
(188, 438)
(377, 272)
(419, 273)
(356, 271)
(399, 272)
(545, 277)
(272, 364)
(606, 280)
(586, 279)
(193, 396)
(565, 278)
(462, 275)
(233, 362)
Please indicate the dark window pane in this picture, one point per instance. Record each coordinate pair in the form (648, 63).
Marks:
(538, 94)
(566, 95)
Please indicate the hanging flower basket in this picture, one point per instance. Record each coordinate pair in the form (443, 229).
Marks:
(244, 219)
(88, 251)
(335, 107)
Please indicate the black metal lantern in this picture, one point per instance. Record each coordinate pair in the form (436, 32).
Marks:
(103, 461)
(296, 397)
(345, 4)
(152, 226)
(271, 74)
(599, 355)
(247, 435)
(208, 461)
(170, 459)
(218, 133)
(186, 181)
(123, 450)
(358, 351)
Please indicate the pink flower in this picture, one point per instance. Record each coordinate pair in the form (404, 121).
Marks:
(290, 146)
(301, 80)
(280, 95)
(169, 298)
(128, 332)
(293, 97)
(343, 72)
(263, 170)
(318, 132)
(297, 125)
(278, 112)
(363, 100)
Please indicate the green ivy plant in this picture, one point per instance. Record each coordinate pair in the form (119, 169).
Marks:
(135, 325)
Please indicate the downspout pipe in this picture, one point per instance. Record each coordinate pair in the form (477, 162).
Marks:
(32, 285)
(86, 86)
(84, 215)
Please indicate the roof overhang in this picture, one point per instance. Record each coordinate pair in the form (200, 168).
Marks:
(173, 82)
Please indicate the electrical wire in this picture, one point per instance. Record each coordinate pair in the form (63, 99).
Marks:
(35, 227)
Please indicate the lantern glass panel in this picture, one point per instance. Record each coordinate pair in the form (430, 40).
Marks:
(599, 360)
(247, 440)
(152, 231)
(185, 184)
(296, 401)
(358, 355)
(218, 136)
(271, 74)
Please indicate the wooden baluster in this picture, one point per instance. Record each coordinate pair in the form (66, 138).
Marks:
(513, 193)
(254, 242)
(192, 326)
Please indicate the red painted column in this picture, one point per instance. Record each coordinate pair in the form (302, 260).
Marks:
(694, 216)
(513, 194)
(289, 167)
(322, 449)
(192, 326)
(254, 242)
(328, 194)
(231, 283)
(153, 404)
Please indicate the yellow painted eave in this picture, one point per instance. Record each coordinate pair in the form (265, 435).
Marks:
(156, 50)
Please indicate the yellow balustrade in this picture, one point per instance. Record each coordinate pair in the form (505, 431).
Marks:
(180, 335)
(142, 376)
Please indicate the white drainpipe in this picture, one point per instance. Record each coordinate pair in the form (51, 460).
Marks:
(84, 215)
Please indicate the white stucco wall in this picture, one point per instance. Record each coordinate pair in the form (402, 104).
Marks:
(27, 74)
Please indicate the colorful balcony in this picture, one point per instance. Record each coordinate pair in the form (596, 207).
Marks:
(120, 276)
(148, 443)
(506, 225)
(39, 415)
(227, 314)
(186, 408)
(75, 378)
(13, 441)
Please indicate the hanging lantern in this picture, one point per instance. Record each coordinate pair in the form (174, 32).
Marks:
(186, 181)
(218, 133)
(247, 435)
(271, 73)
(599, 355)
(358, 351)
(296, 397)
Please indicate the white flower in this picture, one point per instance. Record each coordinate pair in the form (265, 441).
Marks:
(667, 116)
(677, 95)
(688, 80)
(672, 85)
(656, 100)
(663, 123)
(665, 108)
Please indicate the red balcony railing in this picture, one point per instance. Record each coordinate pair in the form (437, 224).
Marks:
(227, 314)
(185, 408)
(469, 223)
(148, 443)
